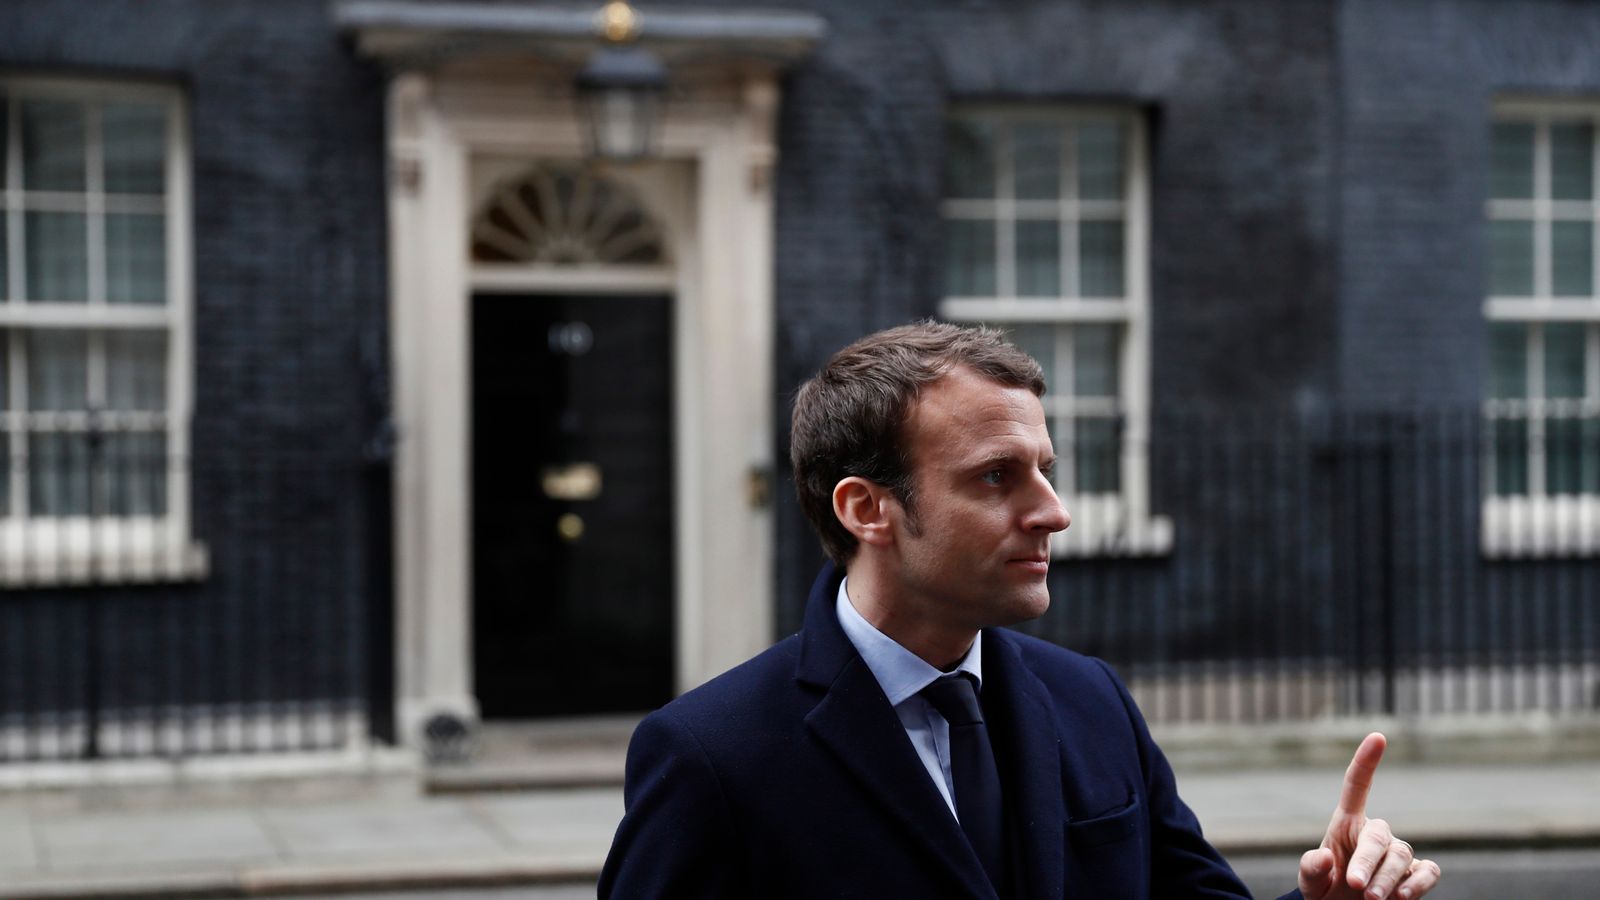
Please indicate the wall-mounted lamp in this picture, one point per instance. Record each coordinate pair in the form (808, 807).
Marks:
(621, 89)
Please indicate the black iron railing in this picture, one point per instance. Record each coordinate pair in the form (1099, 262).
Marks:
(153, 608)
(1270, 567)
(1235, 568)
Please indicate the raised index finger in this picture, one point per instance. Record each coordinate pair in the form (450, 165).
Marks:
(1358, 778)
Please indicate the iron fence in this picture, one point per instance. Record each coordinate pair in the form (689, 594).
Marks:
(1235, 568)
(1298, 566)
(150, 608)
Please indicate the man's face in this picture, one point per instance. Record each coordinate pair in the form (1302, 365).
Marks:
(977, 554)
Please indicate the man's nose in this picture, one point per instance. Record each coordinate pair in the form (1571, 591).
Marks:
(1048, 515)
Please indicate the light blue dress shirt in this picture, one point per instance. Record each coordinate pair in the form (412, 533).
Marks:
(902, 674)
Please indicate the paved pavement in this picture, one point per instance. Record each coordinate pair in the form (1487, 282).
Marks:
(1469, 875)
(291, 842)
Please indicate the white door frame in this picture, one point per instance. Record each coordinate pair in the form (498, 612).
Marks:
(711, 192)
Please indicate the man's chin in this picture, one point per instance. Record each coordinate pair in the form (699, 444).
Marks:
(1025, 608)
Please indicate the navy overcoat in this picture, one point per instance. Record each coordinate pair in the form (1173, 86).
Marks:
(790, 776)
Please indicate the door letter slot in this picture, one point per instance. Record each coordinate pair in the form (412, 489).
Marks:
(574, 481)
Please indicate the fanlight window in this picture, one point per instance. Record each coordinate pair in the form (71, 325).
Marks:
(565, 217)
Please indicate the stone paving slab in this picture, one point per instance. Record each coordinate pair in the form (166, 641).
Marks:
(1452, 805)
(458, 870)
(339, 878)
(576, 820)
(148, 839)
(80, 885)
(572, 770)
(584, 890)
(397, 829)
(17, 851)
(555, 836)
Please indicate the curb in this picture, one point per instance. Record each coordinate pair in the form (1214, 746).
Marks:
(1427, 842)
(289, 881)
(511, 871)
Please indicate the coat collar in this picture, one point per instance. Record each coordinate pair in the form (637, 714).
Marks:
(1029, 749)
(855, 721)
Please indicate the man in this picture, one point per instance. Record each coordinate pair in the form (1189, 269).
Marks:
(902, 745)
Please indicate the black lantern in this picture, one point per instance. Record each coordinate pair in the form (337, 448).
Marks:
(621, 92)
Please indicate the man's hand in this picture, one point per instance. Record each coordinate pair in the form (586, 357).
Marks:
(1361, 857)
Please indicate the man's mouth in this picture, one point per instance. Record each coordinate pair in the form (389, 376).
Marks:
(1039, 564)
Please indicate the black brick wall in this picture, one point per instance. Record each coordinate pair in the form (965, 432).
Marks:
(1317, 174)
(289, 249)
(1242, 107)
(1419, 78)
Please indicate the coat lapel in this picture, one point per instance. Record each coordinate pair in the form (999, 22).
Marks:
(855, 722)
(1029, 753)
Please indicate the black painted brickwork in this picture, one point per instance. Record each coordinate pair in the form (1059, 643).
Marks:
(289, 248)
(1318, 175)
(1242, 111)
(1419, 78)
(1317, 181)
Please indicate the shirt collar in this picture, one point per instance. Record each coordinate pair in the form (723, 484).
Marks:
(900, 672)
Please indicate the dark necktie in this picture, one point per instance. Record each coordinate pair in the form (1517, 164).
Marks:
(972, 768)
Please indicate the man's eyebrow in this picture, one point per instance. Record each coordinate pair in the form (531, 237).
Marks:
(1007, 458)
(994, 460)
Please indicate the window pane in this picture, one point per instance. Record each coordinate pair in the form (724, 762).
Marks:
(1510, 449)
(1038, 259)
(1564, 360)
(1564, 455)
(57, 256)
(1511, 258)
(1096, 455)
(1100, 161)
(58, 474)
(1100, 259)
(1039, 342)
(135, 147)
(5, 251)
(1064, 437)
(1094, 361)
(52, 145)
(135, 469)
(969, 258)
(1572, 161)
(58, 370)
(5, 144)
(1508, 365)
(136, 258)
(1590, 450)
(969, 160)
(1572, 258)
(1591, 454)
(136, 370)
(1512, 176)
(1037, 152)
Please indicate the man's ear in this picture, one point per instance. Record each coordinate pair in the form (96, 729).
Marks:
(862, 507)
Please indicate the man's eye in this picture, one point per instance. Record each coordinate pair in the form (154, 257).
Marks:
(993, 476)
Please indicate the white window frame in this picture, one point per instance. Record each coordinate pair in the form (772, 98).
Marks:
(1102, 523)
(1536, 524)
(78, 549)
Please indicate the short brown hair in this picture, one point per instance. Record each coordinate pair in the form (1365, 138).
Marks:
(849, 419)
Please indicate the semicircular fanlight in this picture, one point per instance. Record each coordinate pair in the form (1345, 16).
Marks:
(559, 215)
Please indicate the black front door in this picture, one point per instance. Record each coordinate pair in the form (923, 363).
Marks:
(572, 504)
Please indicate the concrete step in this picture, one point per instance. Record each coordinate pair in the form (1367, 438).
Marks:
(545, 754)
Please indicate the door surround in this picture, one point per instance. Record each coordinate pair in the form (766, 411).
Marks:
(450, 131)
